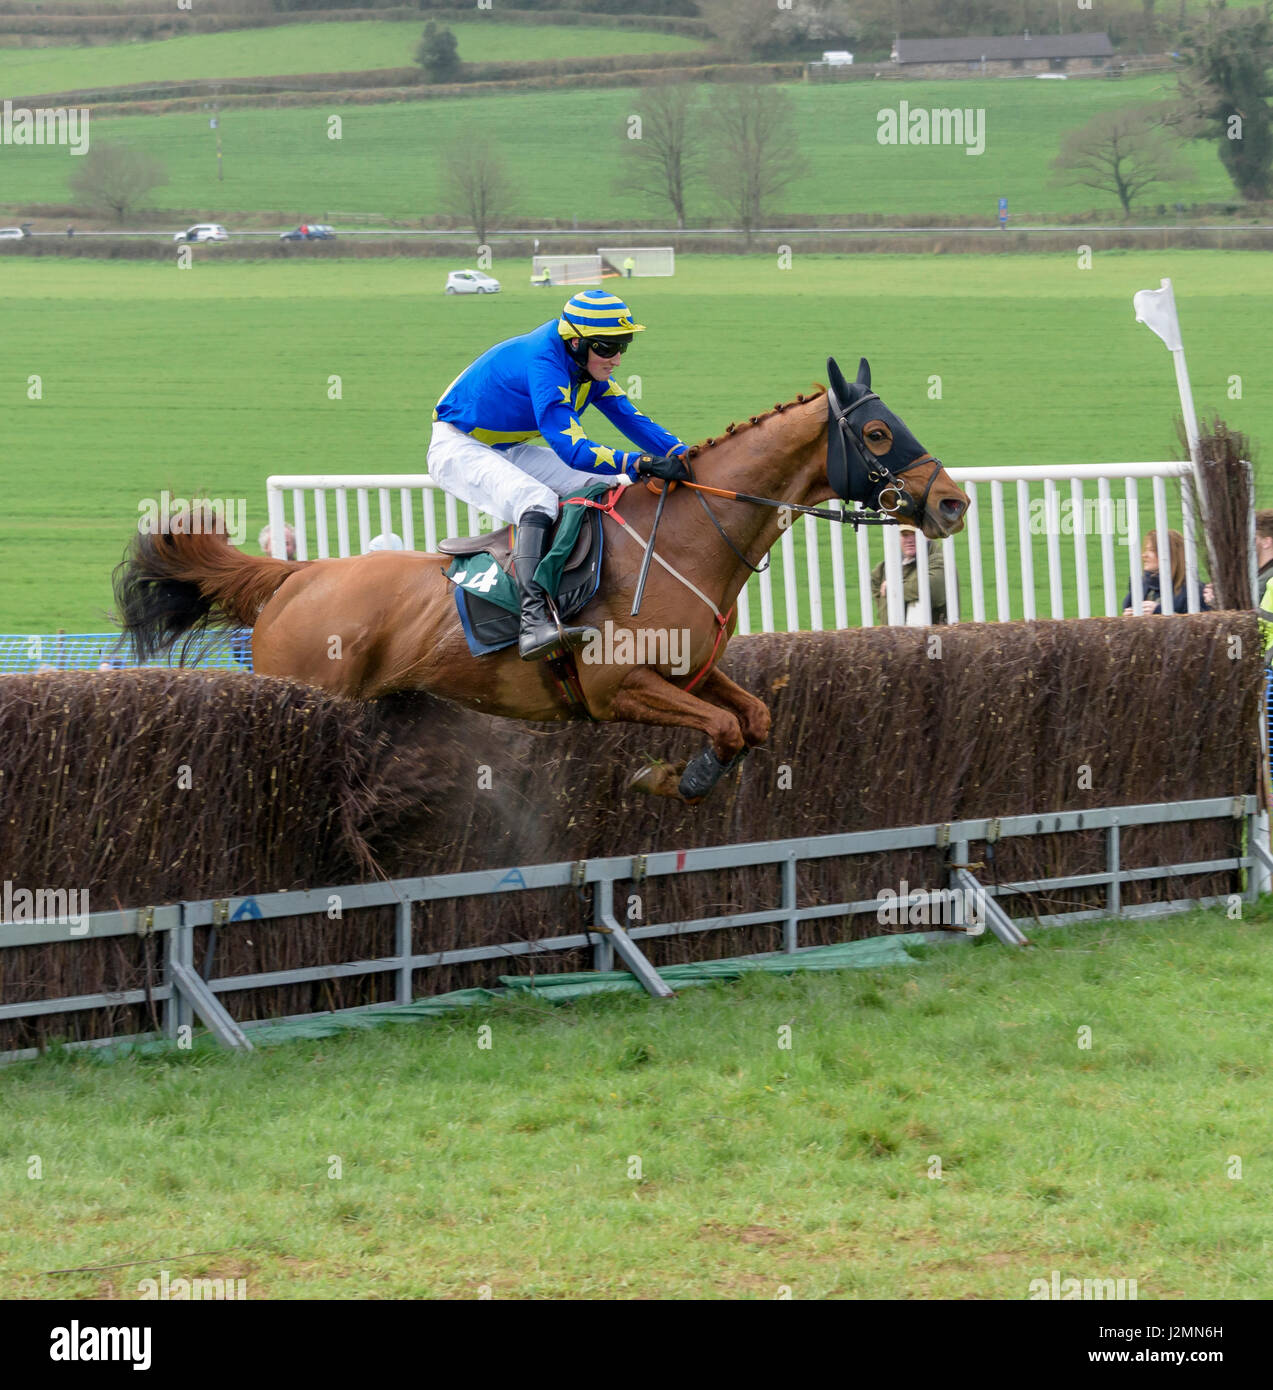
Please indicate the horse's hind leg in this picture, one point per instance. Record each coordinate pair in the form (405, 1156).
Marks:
(646, 698)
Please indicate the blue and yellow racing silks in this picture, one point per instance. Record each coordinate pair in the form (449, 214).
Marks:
(529, 386)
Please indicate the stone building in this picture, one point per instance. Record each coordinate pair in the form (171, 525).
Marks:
(1060, 53)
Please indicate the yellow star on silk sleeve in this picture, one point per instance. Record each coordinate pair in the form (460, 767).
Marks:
(603, 454)
(614, 389)
(565, 393)
(576, 432)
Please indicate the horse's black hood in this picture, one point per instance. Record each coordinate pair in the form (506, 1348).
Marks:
(857, 468)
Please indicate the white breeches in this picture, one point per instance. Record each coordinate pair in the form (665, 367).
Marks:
(507, 483)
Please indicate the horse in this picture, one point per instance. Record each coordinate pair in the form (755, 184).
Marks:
(384, 623)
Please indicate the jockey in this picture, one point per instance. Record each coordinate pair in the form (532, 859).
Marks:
(540, 384)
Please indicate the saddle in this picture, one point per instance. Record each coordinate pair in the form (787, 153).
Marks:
(487, 598)
(499, 546)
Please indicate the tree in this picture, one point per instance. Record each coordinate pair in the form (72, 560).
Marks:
(745, 28)
(1227, 87)
(666, 155)
(1121, 152)
(758, 28)
(475, 187)
(438, 53)
(115, 178)
(756, 153)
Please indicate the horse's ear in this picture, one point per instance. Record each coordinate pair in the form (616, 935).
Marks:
(839, 387)
(864, 373)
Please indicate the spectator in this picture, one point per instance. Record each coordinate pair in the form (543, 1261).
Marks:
(1151, 584)
(910, 582)
(629, 265)
(289, 541)
(1263, 557)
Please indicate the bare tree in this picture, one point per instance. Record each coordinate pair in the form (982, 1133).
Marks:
(757, 155)
(759, 28)
(475, 186)
(115, 178)
(666, 145)
(1121, 152)
(744, 27)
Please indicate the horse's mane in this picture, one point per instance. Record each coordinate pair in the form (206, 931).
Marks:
(733, 428)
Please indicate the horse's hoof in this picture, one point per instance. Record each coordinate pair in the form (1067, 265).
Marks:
(657, 779)
(704, 772)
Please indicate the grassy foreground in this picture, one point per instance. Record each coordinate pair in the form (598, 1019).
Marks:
(625, 1149)
(213, 378)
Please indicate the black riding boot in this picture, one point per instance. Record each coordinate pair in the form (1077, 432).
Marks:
(540, 631)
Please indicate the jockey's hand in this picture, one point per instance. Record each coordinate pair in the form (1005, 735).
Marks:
(672, 468)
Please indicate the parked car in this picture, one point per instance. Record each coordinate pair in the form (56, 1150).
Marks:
(309, 231)
(12, 233)
(203, 231)
(471, 282)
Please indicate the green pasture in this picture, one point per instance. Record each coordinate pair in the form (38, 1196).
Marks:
(420, 1165)
(566, 151)
(299, 48)
(212, 378)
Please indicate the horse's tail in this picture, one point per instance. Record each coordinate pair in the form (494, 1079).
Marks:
(189, 580)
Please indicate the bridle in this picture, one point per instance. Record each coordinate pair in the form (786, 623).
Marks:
(852, 468)
(853, 472)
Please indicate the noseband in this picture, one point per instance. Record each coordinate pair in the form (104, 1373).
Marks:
(857, 475)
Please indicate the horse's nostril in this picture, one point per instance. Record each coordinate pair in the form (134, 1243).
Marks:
(953, 509)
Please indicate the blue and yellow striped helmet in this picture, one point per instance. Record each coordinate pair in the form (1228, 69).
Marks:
(597, 314)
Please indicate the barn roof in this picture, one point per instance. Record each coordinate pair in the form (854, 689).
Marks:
(1090, 45)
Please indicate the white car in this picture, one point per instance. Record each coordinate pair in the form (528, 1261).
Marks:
(11, 233)
(203, 231)
(471, 282)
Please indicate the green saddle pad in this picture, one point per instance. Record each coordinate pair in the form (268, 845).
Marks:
(479, 574)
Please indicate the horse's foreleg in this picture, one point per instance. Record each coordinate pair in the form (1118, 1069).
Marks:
(646, 698)
(752, 713)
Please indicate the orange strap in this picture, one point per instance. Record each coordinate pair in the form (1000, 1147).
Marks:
(721, 626)
(606, 505)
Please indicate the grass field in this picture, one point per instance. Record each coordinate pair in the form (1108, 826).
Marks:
(297, 48)
(387, 162)
(213, 378)
(761, 1169)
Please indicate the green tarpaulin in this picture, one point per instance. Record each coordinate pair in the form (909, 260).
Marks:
(564, 989)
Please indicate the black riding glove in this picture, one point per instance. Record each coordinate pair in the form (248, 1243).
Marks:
(672, 468)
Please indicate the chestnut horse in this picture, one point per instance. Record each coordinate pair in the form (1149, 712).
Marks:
(384, 622)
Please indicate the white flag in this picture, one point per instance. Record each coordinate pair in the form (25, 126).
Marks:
(1157, 308)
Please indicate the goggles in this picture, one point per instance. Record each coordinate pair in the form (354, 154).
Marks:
(608, 347)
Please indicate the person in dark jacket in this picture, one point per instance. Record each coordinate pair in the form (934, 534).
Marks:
(1151, 584)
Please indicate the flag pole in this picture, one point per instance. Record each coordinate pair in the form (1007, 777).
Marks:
(1182, 379)
(1157, 310)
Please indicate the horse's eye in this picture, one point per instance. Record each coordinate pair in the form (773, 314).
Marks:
(876, 435)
